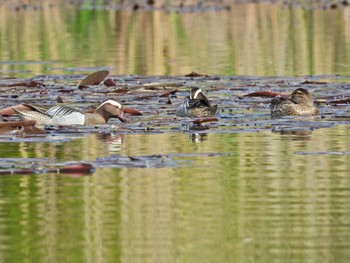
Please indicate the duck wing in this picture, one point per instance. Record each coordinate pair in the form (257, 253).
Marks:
(59, 115)
(195, 103)
(61, 111)
(37, 107)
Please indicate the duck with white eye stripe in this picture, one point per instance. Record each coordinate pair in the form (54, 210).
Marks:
(196, 105)
(63, 115)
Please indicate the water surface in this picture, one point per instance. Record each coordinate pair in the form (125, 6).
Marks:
(248, 39)
(275, 198)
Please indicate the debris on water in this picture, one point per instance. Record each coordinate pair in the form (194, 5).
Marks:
(322, 153)
(150, 161)
(26, 166)
(94, 78)
(342, 101)
(152, 101)
(132, 111)
(313, 82)
(202, 120)
(109, 82)
(195, 74)
(265, 93)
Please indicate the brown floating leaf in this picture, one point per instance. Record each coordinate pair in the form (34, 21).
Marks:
(8, 111)
(207, 119)
(167, 93)
(267, 94)
(313, 82)
(131, 111)
(195, 74)
(110, 82)
(77, 169)
(59, 99)
(33, 84)
(94, 78)
(30, 84)
(121, 90)
(343, 101)
(19, 171)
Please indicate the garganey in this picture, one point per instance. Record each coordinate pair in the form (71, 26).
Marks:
(63, 115)
(196, 105)
(299, 104)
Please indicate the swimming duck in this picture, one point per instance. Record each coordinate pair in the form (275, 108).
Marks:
(63, 115)
(196, 105)
(300, 104)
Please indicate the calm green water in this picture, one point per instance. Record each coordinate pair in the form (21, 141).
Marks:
(275, 198)
(269, 198)
(251, 39)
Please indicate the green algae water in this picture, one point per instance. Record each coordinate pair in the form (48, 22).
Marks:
(248, 39)
(274, 198)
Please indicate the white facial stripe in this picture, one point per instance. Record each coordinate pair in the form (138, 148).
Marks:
(196, 94)
(112, 102)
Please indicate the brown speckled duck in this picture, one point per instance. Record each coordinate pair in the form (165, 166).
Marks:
(62, 115)
(196, 105)
(299, 104)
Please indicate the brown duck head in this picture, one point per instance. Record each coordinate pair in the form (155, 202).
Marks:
(302, 96)
(110, 109)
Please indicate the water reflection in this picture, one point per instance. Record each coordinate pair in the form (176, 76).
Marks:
(250, 39)
(198, 137)
(264, 201)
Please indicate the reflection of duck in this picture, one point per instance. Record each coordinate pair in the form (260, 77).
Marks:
(62, 115)
(300, 104)
(20, 128)
(199, 137)
(196, 105)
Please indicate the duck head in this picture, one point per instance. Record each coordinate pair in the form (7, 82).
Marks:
(302, 96)
(196, 94)
(110, 109)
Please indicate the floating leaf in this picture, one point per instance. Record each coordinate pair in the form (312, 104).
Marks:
(266, 93)
(94, 78)
(195, 74)
(77, 169)
(33, 84)
(168, 93)
(14, 124)
(59, 99)
(202, 120)
(343, 101)
(131, 111)
(8, 111)
(314, 82)
(109, 82)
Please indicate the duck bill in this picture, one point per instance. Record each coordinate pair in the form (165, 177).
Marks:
(121, 118)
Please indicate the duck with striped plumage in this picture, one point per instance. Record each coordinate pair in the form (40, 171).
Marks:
(63, 115)
(196, 105)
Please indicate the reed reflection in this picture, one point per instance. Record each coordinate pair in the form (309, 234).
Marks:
(250, 39)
